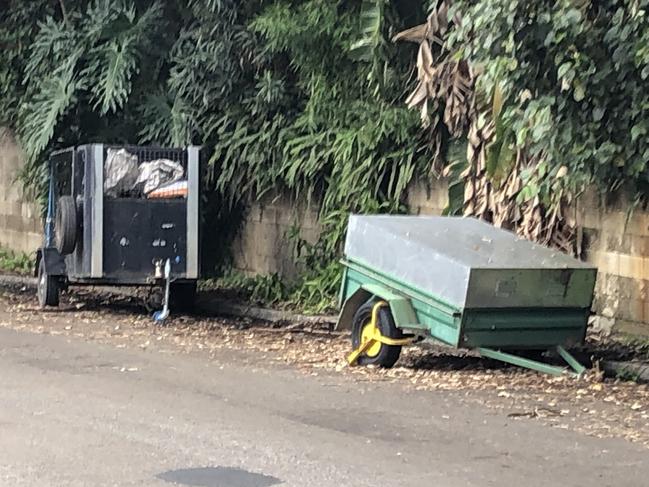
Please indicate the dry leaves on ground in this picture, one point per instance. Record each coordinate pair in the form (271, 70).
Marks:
(592, 405)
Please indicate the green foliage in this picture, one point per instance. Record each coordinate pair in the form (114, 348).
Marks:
(16, 262)
(82, 68)
(627, 375)
(573, 77)
(266, 290)
(285, 96)
(69, 79)
(318, 287)
(313, 293)
(40, 115)
(81, 76)
(112, 63)
(372, 30)
(17, 25)
(637, 345)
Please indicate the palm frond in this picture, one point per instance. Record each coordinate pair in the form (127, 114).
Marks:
(41, 114)
(51, 47)
(114, 60)
(372, 30)
(113, 71)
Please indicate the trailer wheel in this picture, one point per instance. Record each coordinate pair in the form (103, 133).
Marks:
(65, 226)
(48, 287)
(182, 296)
(378, 354)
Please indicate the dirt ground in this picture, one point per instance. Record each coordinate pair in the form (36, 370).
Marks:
(592, 405)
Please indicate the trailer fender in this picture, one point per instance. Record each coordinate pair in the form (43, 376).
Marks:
(53, 261)
(400, 306)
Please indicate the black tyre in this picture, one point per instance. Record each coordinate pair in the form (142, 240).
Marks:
(48, 288)
(65, 226)
(182, 296)
(378, 354)
(537, 355)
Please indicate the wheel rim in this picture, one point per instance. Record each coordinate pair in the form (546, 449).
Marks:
(41, 287)
(367, 333)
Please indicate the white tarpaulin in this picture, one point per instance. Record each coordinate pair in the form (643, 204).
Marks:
(160, 172)
(120, 172)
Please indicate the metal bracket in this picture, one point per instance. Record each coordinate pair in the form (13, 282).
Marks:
(536, 365)
(570, 360)
(53, 261)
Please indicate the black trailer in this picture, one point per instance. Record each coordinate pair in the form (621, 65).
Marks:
(120, 215)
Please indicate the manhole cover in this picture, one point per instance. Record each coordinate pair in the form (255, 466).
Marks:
(218, 477)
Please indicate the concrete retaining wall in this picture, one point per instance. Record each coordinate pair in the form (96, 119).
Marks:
(20, 220)
(263, 245)
(616, 239)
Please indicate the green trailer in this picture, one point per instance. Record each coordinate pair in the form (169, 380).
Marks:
(462, 282)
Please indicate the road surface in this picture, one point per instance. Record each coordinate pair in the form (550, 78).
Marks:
(77, 413)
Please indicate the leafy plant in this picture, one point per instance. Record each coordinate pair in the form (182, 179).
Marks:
(83, 64)
(264, 289)
(16, 262)
(627, 375)
(554, 100)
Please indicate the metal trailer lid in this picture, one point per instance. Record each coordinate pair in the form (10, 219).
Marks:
(468, 262)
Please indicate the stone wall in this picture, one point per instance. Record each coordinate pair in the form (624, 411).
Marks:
(427, 198)
(616, 240)
(20, 222)
(263, 245)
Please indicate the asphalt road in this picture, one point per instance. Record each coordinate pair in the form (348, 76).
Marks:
(76, 413)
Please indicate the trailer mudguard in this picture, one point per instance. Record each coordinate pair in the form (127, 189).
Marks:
(400, 306)
(53, 261)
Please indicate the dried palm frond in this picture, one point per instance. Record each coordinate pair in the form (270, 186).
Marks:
(446, 88)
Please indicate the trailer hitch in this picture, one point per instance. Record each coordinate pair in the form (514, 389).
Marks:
(163, 314)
